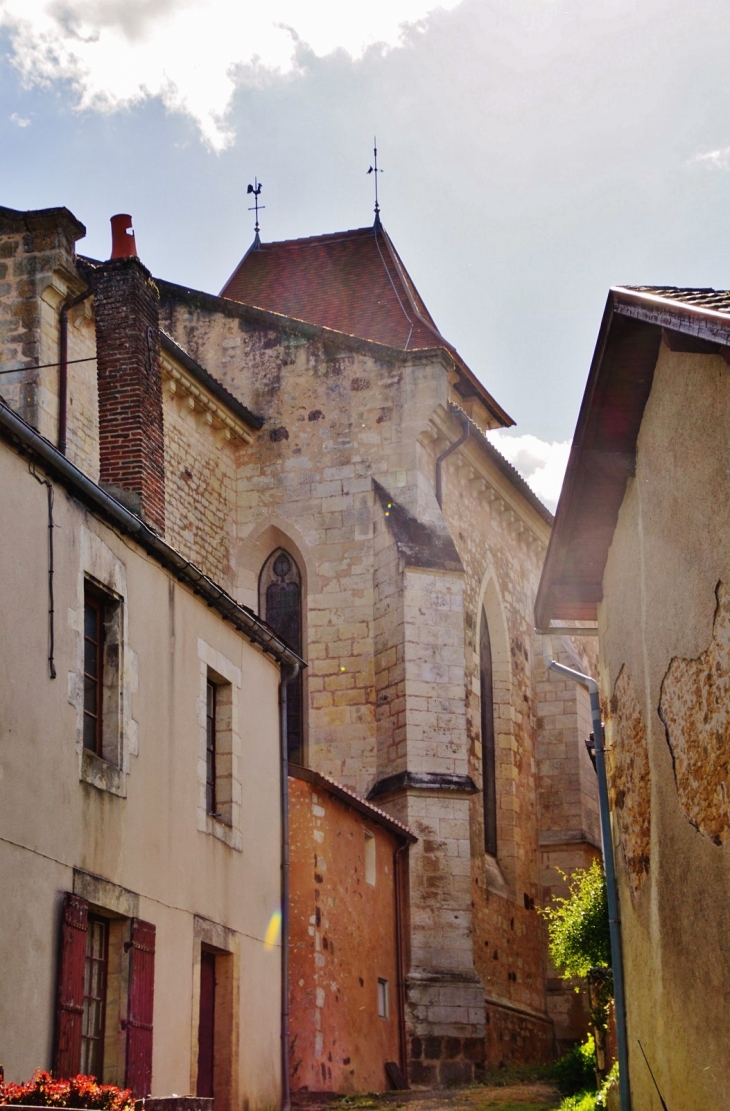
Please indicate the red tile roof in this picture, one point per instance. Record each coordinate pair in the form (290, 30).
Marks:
(353, 282)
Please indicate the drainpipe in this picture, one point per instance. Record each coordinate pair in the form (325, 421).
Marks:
(288, 672)
(614, 922)
(398, 860)
(63, 367)
(445, 454)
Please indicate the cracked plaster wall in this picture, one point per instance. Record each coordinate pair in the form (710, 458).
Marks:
(670, 549)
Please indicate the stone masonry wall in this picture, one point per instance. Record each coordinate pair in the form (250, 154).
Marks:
(37, 274)
(502, 562)
(200, 489)
(393, 677)
(570, 835)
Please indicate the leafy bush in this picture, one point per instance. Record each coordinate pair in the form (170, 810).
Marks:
(77, 1092)
(582, 1101)
(578, 934)
(591, 1100)
(576, 1071)
(579, 944)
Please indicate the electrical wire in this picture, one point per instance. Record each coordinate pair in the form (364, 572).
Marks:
(44, 366)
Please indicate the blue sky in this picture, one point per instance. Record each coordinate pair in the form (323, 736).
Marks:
(535, 152)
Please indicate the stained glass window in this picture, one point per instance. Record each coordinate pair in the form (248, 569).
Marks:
(280, 598)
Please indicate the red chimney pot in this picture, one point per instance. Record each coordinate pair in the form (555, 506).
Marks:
(123, 244)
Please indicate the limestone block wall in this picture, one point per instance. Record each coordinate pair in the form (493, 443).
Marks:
(200, 489)
(335, 418)
(37, 274)
(570, 834)
(389, 648)
(501, 542)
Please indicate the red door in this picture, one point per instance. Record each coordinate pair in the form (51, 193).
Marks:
(206, 1024)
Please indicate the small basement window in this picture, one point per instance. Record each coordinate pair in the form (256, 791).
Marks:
(383, 999)
(369, 858)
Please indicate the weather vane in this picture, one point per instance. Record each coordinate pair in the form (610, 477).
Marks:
(374, 170)
(256, 190)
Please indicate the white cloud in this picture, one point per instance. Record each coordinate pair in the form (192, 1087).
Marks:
(713, 159)
(540, 462)
(19, 121)
(190, 53)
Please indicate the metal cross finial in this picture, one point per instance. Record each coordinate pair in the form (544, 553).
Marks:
(374, 170)
(256, 190)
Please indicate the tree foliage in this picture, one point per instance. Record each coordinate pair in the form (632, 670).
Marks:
(578, 935)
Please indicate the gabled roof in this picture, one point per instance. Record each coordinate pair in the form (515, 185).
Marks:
(344, 794)
(352, 282)
(603, 454)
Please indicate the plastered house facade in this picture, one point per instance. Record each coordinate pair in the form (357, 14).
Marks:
(325, 462)
(140, 831)
(640, 546)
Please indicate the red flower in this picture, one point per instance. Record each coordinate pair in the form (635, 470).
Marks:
(77, 1092)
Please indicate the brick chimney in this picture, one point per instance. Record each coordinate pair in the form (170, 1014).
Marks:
(131, 442)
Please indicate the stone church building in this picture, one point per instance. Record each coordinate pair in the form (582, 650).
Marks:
(416, 551)
(325, 462)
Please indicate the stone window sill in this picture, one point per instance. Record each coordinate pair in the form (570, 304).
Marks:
(102, 775)
(230, 836)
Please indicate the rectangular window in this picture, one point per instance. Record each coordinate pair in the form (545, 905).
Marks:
(93, 667)
(210, 750)
(102, 673)
(95, 984)
(383, 999)
(369, 859)
(219, 761)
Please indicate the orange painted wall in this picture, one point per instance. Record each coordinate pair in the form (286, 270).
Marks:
(342, 940)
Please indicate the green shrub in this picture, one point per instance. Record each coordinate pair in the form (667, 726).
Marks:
(576, 1071)
(578, 933)
(583, 1101)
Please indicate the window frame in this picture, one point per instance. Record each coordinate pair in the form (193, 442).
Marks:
(93, 600)
(488, 736)
(85, 1060)
(270, 580)
(211, 748)
(384, 994)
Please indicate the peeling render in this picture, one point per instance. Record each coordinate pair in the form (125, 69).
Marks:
(630, 779)
(694, 702)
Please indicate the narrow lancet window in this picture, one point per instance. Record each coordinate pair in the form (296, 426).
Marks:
(280, 598)
(489, 764)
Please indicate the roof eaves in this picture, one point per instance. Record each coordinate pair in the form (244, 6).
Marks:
(503, 465)
(344, 794)
(211, 384)
(602, 458)
(673, 313)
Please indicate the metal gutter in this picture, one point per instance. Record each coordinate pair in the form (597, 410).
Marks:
(289, 672)
(16, 429)
(609, 864)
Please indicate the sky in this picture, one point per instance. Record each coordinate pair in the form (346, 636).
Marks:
(535, 152)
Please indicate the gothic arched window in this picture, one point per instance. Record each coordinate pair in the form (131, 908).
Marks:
(489, 764)
(280, 604)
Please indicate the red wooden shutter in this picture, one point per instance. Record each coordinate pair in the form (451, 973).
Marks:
(70, 997)
(140, 1001)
